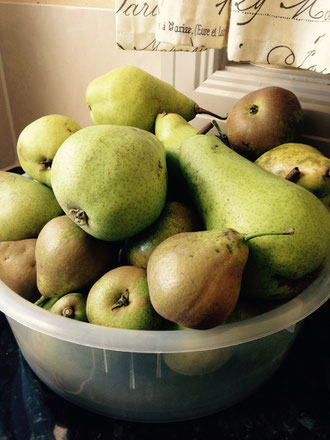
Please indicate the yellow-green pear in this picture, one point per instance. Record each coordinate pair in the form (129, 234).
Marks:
(18, 267)
(68, 259)
(128, 95)
(301, 163)
(231, 191)
(111, 180)
(26, 206)
(120, 298)
(39, 141)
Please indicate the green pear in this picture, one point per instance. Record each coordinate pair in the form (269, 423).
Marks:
(71, 305)
(26, 206)
(120, 298)
(69, 259)
(111, 180)
(176, 217)
(38, 143)
(46, 303)
(18, 267)
(194, 278)
(263, 119)
(171, 129)
(231, 191)
(198, 363)
(130, 96)
(301, 163)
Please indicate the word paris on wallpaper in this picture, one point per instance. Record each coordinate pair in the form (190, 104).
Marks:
(294, 33)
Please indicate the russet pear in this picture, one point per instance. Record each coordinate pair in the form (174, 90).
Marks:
(194, 278)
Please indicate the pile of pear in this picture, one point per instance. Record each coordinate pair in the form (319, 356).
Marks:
(142, 221)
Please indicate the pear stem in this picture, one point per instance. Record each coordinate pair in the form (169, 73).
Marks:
(216, 125)
(123, 300)
(41, 301)
(206, 128)
(199, 110)
(293, 174)
(285, 232)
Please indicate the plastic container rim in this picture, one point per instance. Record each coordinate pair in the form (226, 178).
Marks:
(285, 316)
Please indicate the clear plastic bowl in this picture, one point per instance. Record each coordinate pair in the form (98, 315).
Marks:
(157, 376)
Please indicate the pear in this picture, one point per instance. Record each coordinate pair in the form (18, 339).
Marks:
(231, 191)
(176, 217)
(130, 96)
(71, 305)
(111, 180)
(198, 363)
(171, 129)
(26, 206)
(194, 278)
(120, 298)
(302, 163)
(69, 259)
(39, 141)
(263, 119)
(18, 267)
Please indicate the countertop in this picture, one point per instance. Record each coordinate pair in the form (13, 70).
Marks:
(293, 404)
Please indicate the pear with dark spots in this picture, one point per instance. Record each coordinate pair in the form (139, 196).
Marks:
(120, 298)
(111, 180)
(71, 305)
(39, 141)
(68, 259)
(175, 218)
(264, 119)
(18, 267)
(26, 206)
(311, 167)
(194, 278)
(231, 191)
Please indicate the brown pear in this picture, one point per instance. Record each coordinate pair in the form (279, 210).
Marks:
(194, 278)
(68, 259)
(18, 267)
(175, 218)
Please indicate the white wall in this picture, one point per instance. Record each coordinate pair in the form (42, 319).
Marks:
(49, 54)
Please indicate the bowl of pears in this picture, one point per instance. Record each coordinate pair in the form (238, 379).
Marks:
(154, 271)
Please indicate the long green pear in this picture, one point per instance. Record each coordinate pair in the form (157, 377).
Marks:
(26, 206)
(130, 96)
(231, 191)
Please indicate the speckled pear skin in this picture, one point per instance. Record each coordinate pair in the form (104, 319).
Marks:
(171, 129)
(39, 141)
(26, 206)
(231, 191)
(263, 119)
(137, 313)
(194, 278)
(111, 180)
(314, 167)
(18, 267)
(128, 95)
(175, 218)
(68, 259)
